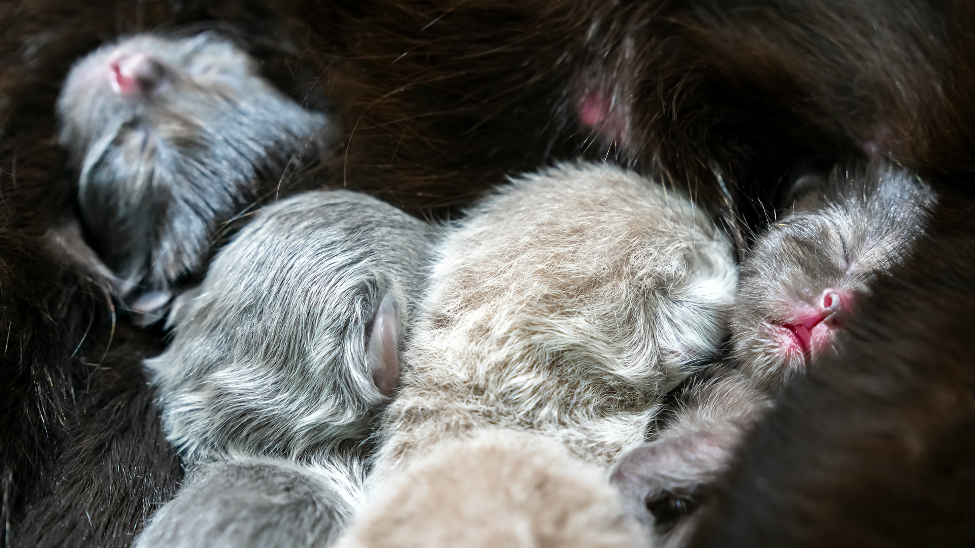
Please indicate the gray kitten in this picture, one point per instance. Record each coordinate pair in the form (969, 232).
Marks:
(258, 502)
(172, 137)
(280, 361)
(292, 342)
(800, 283)
(807, 273)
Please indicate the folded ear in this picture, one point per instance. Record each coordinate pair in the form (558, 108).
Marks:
(382, 355)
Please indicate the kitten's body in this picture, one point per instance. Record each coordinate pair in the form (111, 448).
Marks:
(838, 235)
(564, 305)
(499, 488)
(280, 361)
(258, 502)
(275, 354)
(875, 446)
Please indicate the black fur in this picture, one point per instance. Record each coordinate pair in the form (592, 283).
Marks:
(116, 467)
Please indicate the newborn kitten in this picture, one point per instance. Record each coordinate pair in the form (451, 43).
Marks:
(566, 304)
(808, 272)
(292, 341)
(800, 283)
(171, 137)
(258, 502)
(874, 447)
(281, 360)
(499, 488)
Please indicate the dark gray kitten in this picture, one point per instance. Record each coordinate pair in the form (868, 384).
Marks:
(799, 285)
(171, 137)
(813, 266)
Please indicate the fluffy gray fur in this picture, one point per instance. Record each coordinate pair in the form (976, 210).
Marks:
(291, 342)
(664, 481)
(839, 234)
(160, 168)
(565, 304)
(258, 502)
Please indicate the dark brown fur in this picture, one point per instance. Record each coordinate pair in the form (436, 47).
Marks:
(442, 99)
(116, 467)
(875, 447)
(439, 100)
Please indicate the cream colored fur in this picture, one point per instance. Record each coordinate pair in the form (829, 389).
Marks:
(499, 489)
(566, 305)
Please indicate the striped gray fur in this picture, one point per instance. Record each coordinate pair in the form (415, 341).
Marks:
(292, 341)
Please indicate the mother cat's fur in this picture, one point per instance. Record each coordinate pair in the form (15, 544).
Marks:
(437, 102)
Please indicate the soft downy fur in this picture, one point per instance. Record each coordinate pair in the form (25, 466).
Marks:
(259, 502)
(875, 445)
(293, 339)
(664, 482)
(171, 137)
(440, 100)
(566, 304)
(498, 488)
(287, 351)
(837, 235)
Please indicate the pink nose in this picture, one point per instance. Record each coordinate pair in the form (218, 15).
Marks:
(833, 304)
(135, 74)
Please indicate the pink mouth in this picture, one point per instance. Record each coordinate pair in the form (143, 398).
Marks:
(801, 331)
(813, 327)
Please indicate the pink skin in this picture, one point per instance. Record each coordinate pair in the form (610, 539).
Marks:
(135, 75)
(811, 328)
(597, 112)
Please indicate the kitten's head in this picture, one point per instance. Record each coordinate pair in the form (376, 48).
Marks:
(168, 135)
(805, 276)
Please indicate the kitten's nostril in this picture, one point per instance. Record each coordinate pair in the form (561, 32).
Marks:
(135, 74)
(832, 301)
(833, 307)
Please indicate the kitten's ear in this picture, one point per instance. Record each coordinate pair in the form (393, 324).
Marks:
(382, 355)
